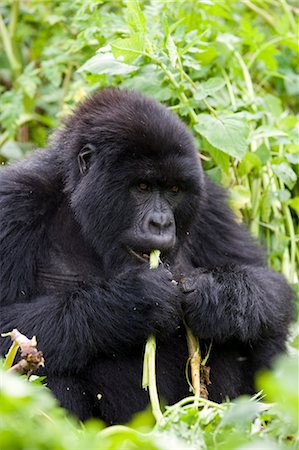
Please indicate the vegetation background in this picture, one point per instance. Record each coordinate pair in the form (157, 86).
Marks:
(229, 70)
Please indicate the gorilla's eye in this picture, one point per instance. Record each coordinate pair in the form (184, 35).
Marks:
(174, 189)
(144, 187)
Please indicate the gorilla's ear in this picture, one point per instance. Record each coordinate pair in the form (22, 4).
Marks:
(84, 158)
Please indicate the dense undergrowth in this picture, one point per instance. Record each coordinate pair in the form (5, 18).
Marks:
(228, 69)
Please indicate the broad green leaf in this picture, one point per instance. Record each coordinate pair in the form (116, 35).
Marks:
(220, 158)
(215, 174)
(207, 88)
(281, 385)
(11, 150)
(129, 48)
(248, 163)
(106, 63)
(273, 105)
(226, 132)
(285, 173)
(263, 153)
(135, 16)
(146, 81)
(268, 57)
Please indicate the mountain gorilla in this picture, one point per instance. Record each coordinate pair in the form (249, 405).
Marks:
(78, 221)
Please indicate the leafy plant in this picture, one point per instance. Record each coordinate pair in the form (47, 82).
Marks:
(244, 423)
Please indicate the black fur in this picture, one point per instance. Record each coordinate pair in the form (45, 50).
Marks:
(68, 219)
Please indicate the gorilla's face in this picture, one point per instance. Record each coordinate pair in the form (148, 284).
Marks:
(137, 182)
(154, 223)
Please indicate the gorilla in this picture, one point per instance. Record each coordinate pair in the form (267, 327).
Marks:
(120, 178)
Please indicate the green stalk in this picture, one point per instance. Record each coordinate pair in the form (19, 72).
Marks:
(290, 16)
(195, 362)
(261, 12)
(149, 378)
(255, 201)
(7, 44)
(247, 76)
(13, 18)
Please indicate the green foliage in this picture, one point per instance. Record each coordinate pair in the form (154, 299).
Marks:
(30, 418)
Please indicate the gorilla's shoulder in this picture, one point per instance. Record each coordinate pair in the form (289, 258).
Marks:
(39, 172)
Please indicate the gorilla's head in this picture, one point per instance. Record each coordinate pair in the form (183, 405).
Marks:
(132, 173)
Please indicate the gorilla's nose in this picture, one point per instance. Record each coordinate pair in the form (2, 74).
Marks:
(158, 231)
(160, 224)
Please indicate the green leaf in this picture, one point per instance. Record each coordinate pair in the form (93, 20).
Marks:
(146, 81)
(266, 132)
(172, 50)
(29, 81)
(106, 63)
(129, 48)
(11, 354)
(135, 16)
(273, 105)
(11, 150)
(285, 173)
(240, 197)
(263, 153)
(226, 132)
(220, 158)
(215, 174)
(241, 413)
(207, 88)
(293, 158)
(281, 385)
(249, 162)
(294, 204)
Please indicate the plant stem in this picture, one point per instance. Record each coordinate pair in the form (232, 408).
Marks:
(149, 377)
(195, 360)
(13, 18)
(247, 77)
(290, 16)
(261, 12)
(7, 44)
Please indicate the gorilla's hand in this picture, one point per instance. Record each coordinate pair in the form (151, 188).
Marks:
(193, 281)
(211, 304)
(234, 301)
(154, 299)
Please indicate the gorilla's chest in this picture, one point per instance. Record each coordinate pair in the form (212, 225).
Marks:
(61, 271)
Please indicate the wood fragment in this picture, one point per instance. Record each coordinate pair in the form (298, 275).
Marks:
(31, 357)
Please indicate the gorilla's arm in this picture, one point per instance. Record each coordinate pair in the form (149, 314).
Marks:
(72, 328)
(245, 302)
(230, 292)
